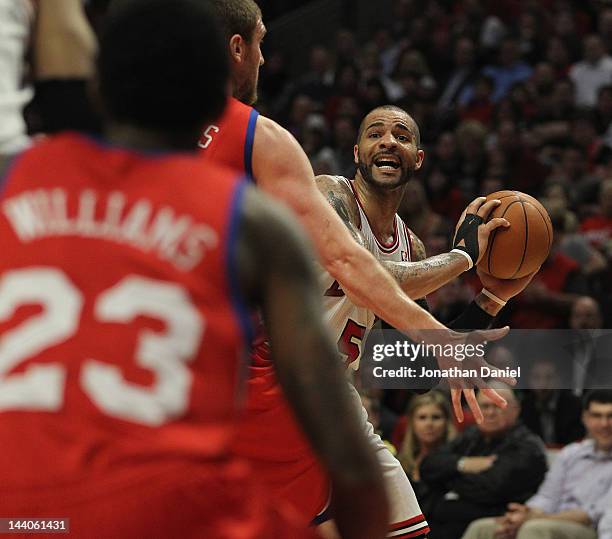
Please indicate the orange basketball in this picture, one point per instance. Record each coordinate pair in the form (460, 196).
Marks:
(523, 247)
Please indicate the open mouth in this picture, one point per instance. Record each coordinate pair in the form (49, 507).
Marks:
(387, 163)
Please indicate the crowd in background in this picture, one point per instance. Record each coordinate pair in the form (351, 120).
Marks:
(508, 95)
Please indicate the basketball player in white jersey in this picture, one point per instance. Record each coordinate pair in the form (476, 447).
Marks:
(387, 154)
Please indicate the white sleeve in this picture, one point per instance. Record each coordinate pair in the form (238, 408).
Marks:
(15, 22)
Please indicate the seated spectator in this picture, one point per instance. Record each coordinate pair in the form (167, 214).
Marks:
(598, 229)
(604, 530)
(483, 469)
(547, 301)
(590, 347)
(417, 214)
(575, 494)
(590, 74)
(572, 244)
(547, 410)
(509, 70)
(426, 426)
(480, 106)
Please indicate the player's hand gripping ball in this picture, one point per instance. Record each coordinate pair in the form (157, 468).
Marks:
(521, 248)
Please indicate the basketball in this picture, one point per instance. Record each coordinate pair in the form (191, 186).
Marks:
(523, 247)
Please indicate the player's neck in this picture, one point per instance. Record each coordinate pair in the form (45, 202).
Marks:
(380, 205)
(138, 138)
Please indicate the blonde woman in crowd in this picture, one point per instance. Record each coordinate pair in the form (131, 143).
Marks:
(429, 426)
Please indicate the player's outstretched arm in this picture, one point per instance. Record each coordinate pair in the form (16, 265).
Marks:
(283, 171)
(275, 271)
(64, 44)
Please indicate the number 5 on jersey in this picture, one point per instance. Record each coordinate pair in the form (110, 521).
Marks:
(349, 343)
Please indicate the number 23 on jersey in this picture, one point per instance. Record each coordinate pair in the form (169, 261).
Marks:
(41, 387)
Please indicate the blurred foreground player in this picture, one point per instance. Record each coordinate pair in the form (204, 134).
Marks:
(121, 315)
(258, 146)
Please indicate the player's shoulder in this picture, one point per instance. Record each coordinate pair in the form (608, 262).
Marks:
(270, 132)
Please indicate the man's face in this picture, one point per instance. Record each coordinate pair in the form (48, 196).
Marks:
(387, 154)
(248, 73)
(593, 49)
(598, 422)
(585, 314)
(497, 420)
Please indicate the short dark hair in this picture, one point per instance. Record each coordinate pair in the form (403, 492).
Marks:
(393, 108)
(237, 16)
(162, 64)
(603, 396)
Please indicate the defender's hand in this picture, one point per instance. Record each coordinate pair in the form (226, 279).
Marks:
(469, 368)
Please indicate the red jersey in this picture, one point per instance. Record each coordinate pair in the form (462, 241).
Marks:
(121, 337)
(598, 230)
(269, 435)
(229, 142)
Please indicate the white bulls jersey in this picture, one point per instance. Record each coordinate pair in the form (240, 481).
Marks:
(350, 324)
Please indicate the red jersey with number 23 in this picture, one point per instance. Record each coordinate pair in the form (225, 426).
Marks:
(121, 335)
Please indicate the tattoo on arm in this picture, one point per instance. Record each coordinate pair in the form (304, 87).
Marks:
(418, 249)
(341, 209)
(403, 271)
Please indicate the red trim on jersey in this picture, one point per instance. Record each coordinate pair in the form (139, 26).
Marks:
(387, 249)
(410, 522)
(410, 535)
(409, 241)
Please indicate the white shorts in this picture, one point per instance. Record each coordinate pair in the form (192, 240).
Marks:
(407, 520)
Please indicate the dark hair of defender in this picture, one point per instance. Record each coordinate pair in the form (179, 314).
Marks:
(237, 17)
(162, 65)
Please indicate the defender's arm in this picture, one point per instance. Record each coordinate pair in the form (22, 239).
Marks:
(275, 271)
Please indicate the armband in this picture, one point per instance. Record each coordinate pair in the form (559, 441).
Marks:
(468, 233)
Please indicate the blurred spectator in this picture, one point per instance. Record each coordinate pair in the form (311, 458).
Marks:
(546, 302)
(449, 301)
(346, 46)
(590, 348)
(598, 229)
(591, 73)
(461, 77)
(573, 498)
(548, 410)
(558, 55)
(471, 137)
(483, 469)
(314, 142)
(604, 530)
(425, 427)
(509, 70)
(480, 106)
(317, 82)
(417, 214)
(574, 245)
(603, 110)
(344, 137)
(524, 170)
